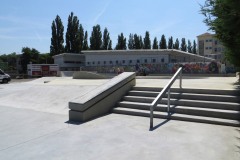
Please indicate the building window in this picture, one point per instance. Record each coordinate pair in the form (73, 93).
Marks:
(98, 62)
(206, 40)
(153, 60)
(145, 61)
(130, 61)
(69, 61)
(123, 61)
(210, 40)
(162, 60)
(138, 61)
(93, 62)
(116, 61)
(104, 62)
(215, 49)
(216, 42)
(210, 47)
(206, 47)
(110, 62)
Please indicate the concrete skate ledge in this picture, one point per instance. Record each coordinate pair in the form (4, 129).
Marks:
(101, 100)
(87, 75)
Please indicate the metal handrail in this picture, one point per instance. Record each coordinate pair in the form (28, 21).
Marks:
(162, 93)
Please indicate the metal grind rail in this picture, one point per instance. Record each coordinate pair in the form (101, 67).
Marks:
(163, 92)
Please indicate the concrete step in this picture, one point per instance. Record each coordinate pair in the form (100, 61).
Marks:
(186, 102)
(208, 112)
(175, 116)
(192, 96)
(190, 90)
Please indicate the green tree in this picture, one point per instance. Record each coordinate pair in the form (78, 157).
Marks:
(8, 61)
(110, 45)
(183, 45)
(223, 17)
(122, 42)
(57, 37)
(72, 35)
(137, 43)
(34, 56)
(194, 47)
(85, 41)
(28, 55)
(96, 38)
(80, 38)
(131, 41)
(141, 42)
(155, 43)
(189, 47)
(176, 44)
(170, 43)
(163, 42)
(106, 39)
(147, 41)
(45, 58)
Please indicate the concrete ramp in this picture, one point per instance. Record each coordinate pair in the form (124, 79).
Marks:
(102, 99)
(50, 97)
(66, 73)
(87, 75)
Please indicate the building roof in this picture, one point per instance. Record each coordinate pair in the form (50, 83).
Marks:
(206, 34)
(172, 52)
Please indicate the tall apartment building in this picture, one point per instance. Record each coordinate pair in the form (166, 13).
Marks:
(210, 46)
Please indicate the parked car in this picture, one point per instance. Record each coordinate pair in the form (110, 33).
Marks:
(4, 78)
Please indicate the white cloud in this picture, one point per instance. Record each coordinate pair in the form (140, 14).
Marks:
(24, 22)
(101, 12)
(37, 37)
(163, 28)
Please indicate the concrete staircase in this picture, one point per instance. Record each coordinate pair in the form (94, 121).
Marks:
(220, 107)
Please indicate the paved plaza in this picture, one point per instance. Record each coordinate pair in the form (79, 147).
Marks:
(34, 125)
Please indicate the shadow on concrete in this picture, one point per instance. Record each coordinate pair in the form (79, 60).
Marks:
(79, 123)
(162, 123)
(238, 149)
(172, 107)
(238, 140)
(236, 85)
(159, 125)
(74, 122)
(169, 77)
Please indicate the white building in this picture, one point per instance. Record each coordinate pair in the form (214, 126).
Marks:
(210, 46)
(71, 61)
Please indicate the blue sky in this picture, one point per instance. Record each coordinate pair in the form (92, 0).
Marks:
(27, 23)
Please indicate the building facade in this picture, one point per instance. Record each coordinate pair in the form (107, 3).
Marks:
(112, 58)
(209, 46)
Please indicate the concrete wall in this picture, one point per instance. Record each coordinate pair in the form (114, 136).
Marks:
(69, 61)
(102, 99)
(103, 58)
(125, 58)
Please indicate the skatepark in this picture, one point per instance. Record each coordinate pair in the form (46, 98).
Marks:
(35, 125)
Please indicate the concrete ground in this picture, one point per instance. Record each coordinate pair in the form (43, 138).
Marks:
(34, 125)
(225, 83)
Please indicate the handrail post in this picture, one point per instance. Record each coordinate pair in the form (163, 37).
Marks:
(163, 93)
(180, 77)
(168, 101)
(151, 117)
